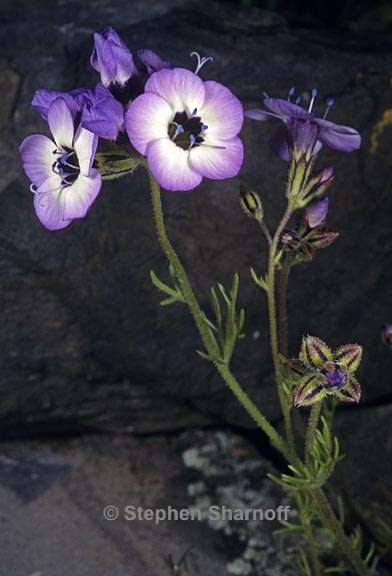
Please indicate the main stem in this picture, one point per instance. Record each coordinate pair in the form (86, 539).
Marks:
(311, 429)
(325, 510)
(273, 326)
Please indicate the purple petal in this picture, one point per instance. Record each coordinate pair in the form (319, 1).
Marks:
(151, 60)
(74, 99)
(170, 166)
(111, 58)
(103, 115)
(146, 120)
(182, 89)
(85, 145)
(303, 136)
(258, 114)
(49, 205)
(338, 137)
(37, 152)
(285, 109)
(61, 123)
(222, 112)
(316, 213)
(79, 197)
(279, 144)
(218, 163)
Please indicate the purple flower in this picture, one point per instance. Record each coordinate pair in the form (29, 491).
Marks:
(303, 134)
(63, 180)
(317, 213)
(187, 128)
(102, 114)
(121, 72)
(111, 58)
(75, 99)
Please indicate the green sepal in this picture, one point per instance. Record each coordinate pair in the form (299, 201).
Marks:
(310, 389)
(349, 356)
(314, 352)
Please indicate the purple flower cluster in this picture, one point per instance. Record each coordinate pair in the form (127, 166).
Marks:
(186, 128)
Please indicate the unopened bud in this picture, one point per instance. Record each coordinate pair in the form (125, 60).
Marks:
(316, 213)
(251, 203)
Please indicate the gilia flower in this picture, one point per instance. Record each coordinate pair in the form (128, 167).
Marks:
(303, 133)
(187, 128)
(122, 73)
(320, 372)
(63, 180)
(111, 58)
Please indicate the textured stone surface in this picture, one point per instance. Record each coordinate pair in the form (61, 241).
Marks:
(84, 343)
(52, 497)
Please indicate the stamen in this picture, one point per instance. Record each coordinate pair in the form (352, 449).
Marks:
(33, 188)
(314, 94)
(179, 130)
(291, 93)
(65, 163)
(298, 100)
(194, 113)
(330, 102)
(193, 140)
(204, 127)
(200, 61)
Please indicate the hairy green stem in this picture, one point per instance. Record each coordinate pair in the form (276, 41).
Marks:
(273, 326)
(283, 284)
(311, 429)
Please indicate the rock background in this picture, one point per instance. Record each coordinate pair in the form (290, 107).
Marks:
(84, 344)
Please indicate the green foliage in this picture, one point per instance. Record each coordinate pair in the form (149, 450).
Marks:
(227, 324)
(174, 292)
(324, 452)
(114, 161)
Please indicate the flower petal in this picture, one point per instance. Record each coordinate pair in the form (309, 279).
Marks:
(170, 166)
(61, 123)
(146, 120)
(338, 137)
(218, 163)
(104, 115)
(279, 143)
(111, 58)
(151, 60)
(310, 389)
(285, 109)
(49, 204)
(314, 352)
(317, 213)
(85, 145)
(182, 89)
(349, 356)
(79, 197)
(222, 112)
(37, 152)
(257, 114)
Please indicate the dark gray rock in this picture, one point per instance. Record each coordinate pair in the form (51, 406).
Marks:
(84, 343)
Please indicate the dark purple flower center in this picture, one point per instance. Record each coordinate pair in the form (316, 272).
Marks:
(186, 131)
(335, 375)
(66, 166)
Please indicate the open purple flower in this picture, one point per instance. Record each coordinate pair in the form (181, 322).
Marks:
(63, 180)
(303, 133)
(187, 128)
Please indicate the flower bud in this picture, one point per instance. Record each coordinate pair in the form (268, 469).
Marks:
(251, 203)
(316, 213)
